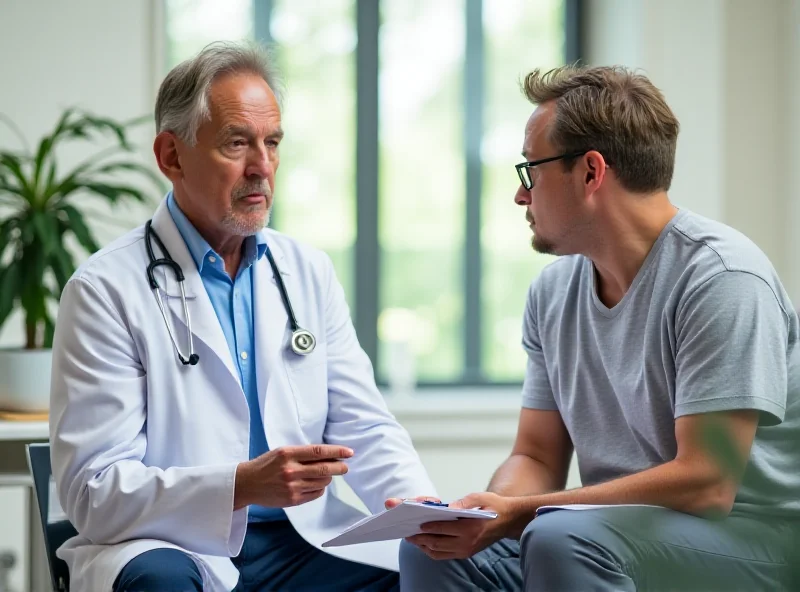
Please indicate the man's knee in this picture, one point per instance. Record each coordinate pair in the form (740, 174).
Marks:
(414, 563)
(559, 537)
(160, 569)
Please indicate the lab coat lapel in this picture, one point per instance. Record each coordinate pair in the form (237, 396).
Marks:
(205, 325)
(272, 337)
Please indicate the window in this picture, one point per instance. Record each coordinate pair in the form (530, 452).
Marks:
(421, 196)
(403, 121)
(516, 40)
(314, 185)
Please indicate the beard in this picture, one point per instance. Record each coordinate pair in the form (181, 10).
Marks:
(542, 245)
(248, 220)
(539, 244)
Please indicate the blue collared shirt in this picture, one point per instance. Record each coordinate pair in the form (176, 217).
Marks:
(233, 302)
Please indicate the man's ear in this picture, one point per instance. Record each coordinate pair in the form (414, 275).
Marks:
(595, 170)
(165, 148)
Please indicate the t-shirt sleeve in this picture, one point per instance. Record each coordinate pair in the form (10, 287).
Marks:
(536, 391)
(731, 348)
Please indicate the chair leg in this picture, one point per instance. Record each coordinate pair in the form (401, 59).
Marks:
(38, 567)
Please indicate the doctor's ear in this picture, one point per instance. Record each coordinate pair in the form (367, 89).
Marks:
(165, 148)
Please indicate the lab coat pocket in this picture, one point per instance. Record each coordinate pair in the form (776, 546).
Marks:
(308, 377)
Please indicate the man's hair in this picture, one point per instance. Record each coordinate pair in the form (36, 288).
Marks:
(615, 111)
(183, 97)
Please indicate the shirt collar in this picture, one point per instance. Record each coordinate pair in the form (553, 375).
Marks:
(199, 247)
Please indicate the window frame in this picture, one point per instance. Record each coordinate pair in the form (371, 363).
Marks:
(367, 252)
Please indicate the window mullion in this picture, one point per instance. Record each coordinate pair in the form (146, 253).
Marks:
(367, 247)
(473, 132)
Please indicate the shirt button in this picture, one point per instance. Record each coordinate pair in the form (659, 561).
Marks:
(212, 259)
(244, 355)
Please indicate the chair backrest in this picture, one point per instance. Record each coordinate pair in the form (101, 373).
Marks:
(55, 533)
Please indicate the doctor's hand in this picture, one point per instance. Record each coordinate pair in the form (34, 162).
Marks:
(288, 476)
(462, 538)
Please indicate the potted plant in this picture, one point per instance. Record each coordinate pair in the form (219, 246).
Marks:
(41, 209)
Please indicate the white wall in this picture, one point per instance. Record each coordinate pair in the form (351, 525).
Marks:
(790, 107)
(729, 70)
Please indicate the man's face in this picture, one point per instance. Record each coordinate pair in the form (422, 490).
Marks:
(228, 176)
(552, 204)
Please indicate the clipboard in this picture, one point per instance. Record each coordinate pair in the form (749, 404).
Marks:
(404, 520)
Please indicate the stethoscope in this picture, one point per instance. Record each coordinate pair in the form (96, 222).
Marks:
(302, 341)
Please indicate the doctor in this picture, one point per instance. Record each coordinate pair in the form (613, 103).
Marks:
(195, 427)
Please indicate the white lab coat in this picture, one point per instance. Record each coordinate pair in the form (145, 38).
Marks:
(144, 449)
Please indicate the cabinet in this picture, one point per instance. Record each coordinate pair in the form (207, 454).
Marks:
(20, 526)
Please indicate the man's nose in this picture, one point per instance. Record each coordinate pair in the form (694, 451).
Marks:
(523, 196)
(260, 165)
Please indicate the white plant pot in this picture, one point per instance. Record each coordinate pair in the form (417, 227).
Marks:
(25, 380)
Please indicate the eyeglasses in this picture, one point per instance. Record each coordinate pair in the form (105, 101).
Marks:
(525, 174)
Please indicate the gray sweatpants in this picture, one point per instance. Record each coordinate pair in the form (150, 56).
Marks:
(620, 549)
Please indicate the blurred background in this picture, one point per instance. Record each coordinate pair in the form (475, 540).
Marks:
(403, 121)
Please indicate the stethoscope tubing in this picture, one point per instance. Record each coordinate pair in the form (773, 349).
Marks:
(302, 341)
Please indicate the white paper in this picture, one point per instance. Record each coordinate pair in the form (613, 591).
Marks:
(400, 522)
(546, 509)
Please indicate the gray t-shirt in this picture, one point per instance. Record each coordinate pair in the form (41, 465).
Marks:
(705, 326)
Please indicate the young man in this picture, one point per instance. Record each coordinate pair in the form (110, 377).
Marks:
(662, 349)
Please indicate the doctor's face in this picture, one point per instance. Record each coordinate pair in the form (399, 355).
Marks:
(552, 204)
(227, 178)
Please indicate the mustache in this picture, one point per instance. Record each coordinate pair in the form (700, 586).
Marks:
(250, 188)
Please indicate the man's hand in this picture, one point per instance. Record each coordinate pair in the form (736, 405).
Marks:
(462, 538)
(288, 476)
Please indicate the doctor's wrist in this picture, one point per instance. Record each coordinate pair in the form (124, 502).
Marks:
(243, 490)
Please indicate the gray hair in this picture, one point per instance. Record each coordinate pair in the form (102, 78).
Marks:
(183, 97)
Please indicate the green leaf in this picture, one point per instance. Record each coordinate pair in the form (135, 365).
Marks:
(86, 122)
(63, 121)
(49, 331)
(7, 235)
(47, 230)
(72, 177)
(79, 228)
(32, 292)
(113, 167)
(9, 123)
(63, 267)
(9, 284)
(87, 178)
(116, 193)
(27, 231)
(74, 124)
(44, 151)
(14, 165)
(51, 177)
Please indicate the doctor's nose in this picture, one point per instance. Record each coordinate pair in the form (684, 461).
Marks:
(261, 165)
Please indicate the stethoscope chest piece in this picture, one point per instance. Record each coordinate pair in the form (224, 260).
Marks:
(303, 342)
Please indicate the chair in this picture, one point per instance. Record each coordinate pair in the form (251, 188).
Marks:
(56, 533)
